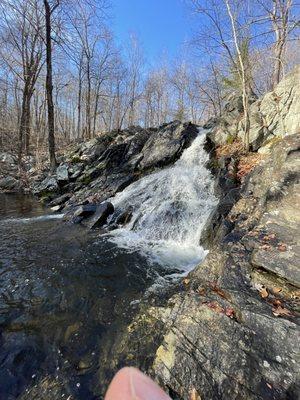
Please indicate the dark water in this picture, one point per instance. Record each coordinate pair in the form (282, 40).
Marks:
(63, 292)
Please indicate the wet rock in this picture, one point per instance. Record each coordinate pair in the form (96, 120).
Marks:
(99, 217)
(224, 310)
(124, 217)
(48, 388)
(59, 201)
(109, 163)
(48, 185)
(222, 336)
(78, 212)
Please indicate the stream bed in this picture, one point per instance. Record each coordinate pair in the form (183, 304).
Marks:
(63, 292)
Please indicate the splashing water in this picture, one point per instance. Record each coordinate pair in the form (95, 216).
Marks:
(170, 208)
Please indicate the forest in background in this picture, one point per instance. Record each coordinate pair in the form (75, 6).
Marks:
(242, 46)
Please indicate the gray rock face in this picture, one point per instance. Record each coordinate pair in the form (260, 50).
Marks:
(9, 184)
(7, 158)
(62, 173)
(99, 217)
(275, 115)
(234, 333)
(48, 185)
(232, 329)
(106, 165)
(163, 147)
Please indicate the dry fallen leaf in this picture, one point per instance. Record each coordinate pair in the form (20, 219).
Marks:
(201, 291)
(265, 247)
(263, 292)
(282, 247)
(229, 312)
(215, 307)
(276, 290)
(276, 302)
(281, 311)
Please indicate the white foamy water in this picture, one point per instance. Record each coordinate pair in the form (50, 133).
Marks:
(170, 208)
(33, 219)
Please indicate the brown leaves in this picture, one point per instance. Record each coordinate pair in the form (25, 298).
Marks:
(230, 149)
(276, 290)
(201, 291)
(281, 312)
(282, 247)
(229, 312)
(216, 307)
(263, 293)
(265, 247)
(247, 163)
(220, 292)
(186, 281)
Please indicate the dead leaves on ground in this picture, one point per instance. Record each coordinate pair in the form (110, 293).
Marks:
(281, 312)
(263, 293)
(282, 247)
(216, 307)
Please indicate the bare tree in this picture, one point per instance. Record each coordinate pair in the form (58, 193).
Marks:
(242, 71)
(280, 13)
(22, 52)
(49, 10)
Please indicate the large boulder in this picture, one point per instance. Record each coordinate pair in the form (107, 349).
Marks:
(48, 186)
(167, 144)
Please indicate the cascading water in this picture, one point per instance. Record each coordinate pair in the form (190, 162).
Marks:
(170, 208)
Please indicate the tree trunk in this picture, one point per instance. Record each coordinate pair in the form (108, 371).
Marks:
(24, 127)
(278, 63)
(49, 88)
(88, 103)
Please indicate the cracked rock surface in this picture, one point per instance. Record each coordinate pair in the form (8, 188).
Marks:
(234, 332)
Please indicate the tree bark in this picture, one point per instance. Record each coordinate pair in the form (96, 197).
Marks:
(49, 87)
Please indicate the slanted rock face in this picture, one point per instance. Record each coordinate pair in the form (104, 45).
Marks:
(274, 115)
(106, 165)
(277, 113)
(164, 146)
(234, 333)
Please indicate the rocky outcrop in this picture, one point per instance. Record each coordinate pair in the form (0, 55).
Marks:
(274, 115)
(98, 169)
(230, 329)
(233, 332)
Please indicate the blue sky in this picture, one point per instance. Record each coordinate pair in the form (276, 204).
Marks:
(162, 26)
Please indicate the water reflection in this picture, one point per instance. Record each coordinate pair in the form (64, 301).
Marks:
(63, 292)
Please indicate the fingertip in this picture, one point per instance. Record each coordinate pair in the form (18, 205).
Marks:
(120, 389)
(131, 384)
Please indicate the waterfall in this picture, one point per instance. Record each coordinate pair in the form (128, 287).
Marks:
(170, 208)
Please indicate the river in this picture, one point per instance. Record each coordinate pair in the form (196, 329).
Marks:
(64, 290)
